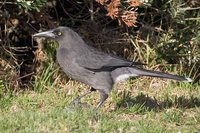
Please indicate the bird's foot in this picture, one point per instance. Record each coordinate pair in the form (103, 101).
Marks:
(77, 103)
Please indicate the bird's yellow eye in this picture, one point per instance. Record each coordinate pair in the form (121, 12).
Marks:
(59, 33)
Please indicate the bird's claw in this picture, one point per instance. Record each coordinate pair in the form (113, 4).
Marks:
(77, 103)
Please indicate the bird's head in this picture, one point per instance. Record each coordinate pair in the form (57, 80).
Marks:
(54, 33)
(65, 37)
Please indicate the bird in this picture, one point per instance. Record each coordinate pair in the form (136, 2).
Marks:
(93, 67)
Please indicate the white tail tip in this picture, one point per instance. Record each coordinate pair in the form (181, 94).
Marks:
(188, 79)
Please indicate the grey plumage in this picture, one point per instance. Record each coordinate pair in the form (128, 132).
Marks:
(93, 67)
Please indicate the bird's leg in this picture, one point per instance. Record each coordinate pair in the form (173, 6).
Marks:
(103, 97)
(77, 100)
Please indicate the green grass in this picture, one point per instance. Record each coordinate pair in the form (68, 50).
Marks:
(172, 108)
(169, 42)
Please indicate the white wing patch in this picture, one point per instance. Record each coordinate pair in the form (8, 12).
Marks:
(189, 79)
(124, 77)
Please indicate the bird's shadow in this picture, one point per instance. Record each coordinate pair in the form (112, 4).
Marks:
(153, 104)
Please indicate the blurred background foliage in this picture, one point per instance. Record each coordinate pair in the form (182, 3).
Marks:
(165, 34)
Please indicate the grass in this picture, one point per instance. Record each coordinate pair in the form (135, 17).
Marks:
(140, 105)
(144, 105)
(171, 107)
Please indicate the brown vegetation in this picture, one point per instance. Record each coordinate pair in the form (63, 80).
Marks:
(153, 34)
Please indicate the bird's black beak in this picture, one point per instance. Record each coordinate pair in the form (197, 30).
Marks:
(46, 34)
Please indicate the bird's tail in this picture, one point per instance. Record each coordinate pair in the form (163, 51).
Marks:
(124, 73)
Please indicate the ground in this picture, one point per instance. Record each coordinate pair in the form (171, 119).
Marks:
(134, 106)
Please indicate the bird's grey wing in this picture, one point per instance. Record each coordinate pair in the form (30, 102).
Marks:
(103, 62)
